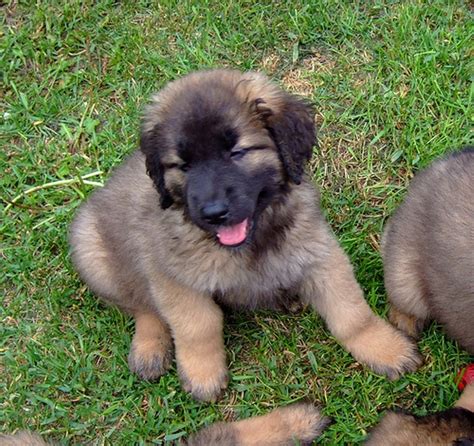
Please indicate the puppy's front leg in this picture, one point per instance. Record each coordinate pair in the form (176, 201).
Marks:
(331, 288)
(196, 323)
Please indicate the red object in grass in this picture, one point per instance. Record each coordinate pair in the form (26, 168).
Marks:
(465, 377)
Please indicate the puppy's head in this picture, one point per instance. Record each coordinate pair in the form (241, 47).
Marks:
(222, 145)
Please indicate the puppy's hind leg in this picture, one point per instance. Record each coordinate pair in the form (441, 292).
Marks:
(330, 286)
(408, 323)
(405, 290)
(151, 350)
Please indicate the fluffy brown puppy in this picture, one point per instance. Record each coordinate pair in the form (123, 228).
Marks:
(225, 215)
(428, 251)
(453, 427)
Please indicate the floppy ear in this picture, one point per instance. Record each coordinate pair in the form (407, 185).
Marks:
(293, 130)
(149, 144)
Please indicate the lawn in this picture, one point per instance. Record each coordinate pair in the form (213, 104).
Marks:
(390, 81)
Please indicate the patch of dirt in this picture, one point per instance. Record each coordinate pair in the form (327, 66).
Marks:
(270, 63)
(295, 82)
(299, 79)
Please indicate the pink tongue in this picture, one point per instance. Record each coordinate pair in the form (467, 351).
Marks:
(233, 235)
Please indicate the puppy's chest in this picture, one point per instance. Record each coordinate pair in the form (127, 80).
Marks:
(266, 283)
(244, 280)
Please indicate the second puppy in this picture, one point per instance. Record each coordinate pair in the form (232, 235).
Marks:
(428, 251)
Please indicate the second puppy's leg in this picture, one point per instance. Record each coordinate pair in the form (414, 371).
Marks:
(405, 289)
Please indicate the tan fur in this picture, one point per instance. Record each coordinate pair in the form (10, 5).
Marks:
(258, 158)
(247, 87)
(150, 353)
(174, 178)
(291, 425)
(22, 438)
(197, 329)
(408, 323)
(448, 428)
(411, 289)
(333, 290)
(439, 429)
(147, 260)
(428, 248)
(466, 400)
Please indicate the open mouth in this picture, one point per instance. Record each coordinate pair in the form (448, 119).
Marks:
(234, 235)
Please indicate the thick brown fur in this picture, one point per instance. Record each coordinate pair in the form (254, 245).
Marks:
(443, 428)
(450, 427)
(428, 251)
(142, 244)
(298, 424)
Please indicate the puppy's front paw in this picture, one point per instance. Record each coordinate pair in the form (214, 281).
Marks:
(302, 421)
(204, 377)
(385, 349)
(150, 359)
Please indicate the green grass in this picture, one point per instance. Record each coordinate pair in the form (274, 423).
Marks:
(390, 80)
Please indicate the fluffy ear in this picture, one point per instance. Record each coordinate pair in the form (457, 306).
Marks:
(149, 144)
(293, 130)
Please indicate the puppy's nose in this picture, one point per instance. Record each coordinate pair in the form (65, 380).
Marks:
(215, 212)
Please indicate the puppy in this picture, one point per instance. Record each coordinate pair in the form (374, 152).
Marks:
(216, 208)
(450, 427)
(428, 251)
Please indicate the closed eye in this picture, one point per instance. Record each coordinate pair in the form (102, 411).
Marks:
(240, 153)
(182, 166)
